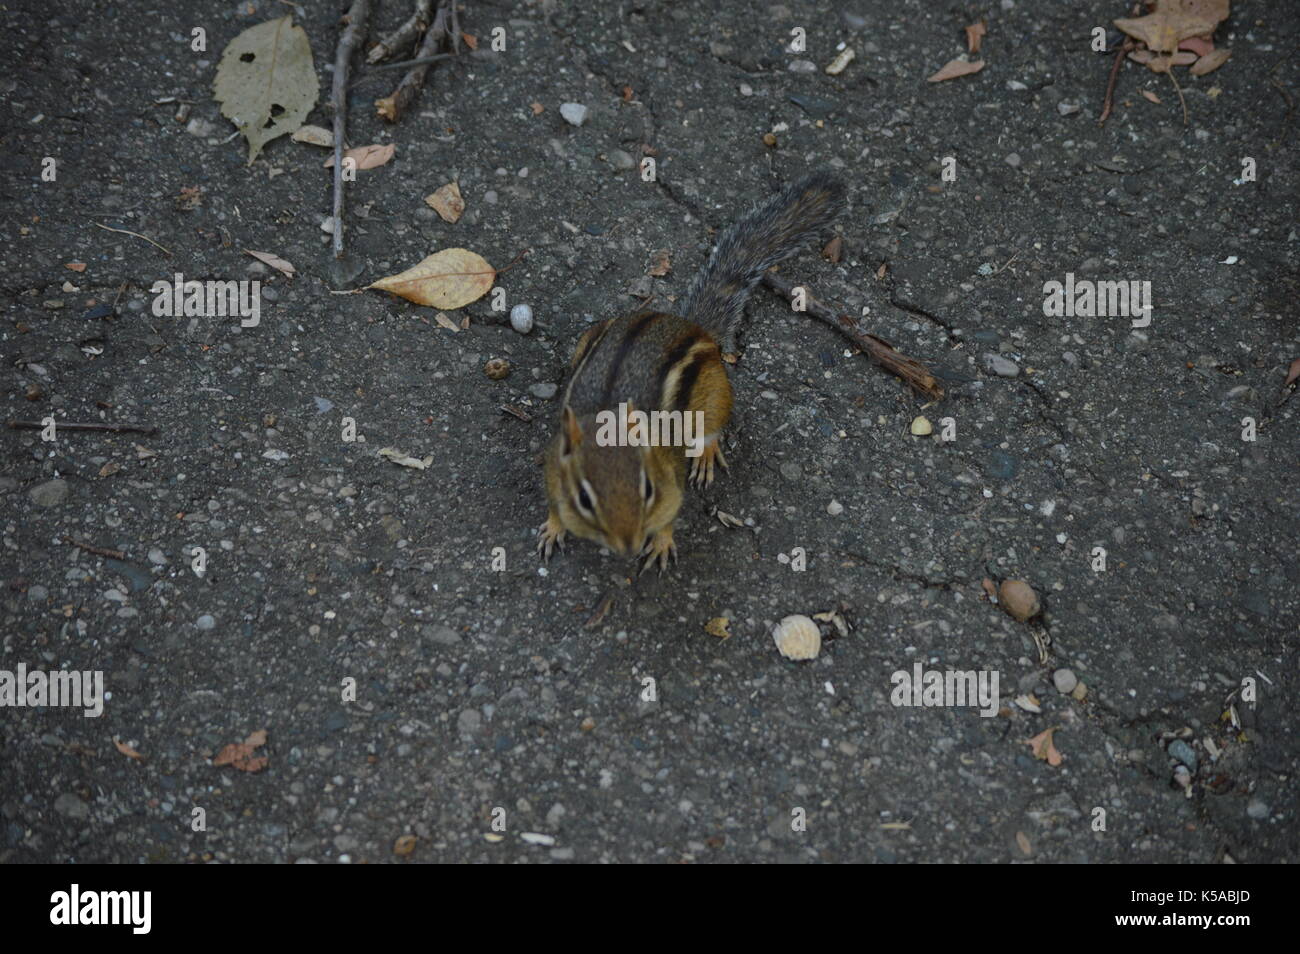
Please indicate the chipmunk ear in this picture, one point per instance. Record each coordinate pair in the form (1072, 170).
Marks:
(571, 431)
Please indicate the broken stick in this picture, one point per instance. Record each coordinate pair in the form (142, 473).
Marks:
(348, 42)
(911, 371)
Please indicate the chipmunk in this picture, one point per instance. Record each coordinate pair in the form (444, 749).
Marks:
(627, 496)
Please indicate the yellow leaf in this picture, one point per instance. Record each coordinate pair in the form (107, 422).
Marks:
(449, 279)
(266, 81)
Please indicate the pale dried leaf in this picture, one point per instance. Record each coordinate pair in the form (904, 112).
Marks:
(314, 135)
(1152, 97)
(1044, 747)
(366, 157)
(267, 67)
(403, 460)
(1210, 62)
(956, 68)
(275, 261)
(447, 202)
(450, 279)
(975, 36)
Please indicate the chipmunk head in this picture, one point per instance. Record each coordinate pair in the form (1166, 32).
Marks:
(617, 495)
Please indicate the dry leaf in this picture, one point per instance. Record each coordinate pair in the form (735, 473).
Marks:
(956, 68)
(75, 266)
(109, 469)
(661, 266)
(1210, 62)
(1150, 95)
(1174, 21)
(537, 108)
(445, 322)
(240, 754)
(126, 750)
(275, 261)
(1200, 45)
(1022, 842)
(1044, 747)
(404, 845)
(728, 519)
(387, 109)
(446, 201)
(975, 36)
(402, 460)
(448, 279)
(314, 135)
(366, 157)
(718, 626)
(266, 82)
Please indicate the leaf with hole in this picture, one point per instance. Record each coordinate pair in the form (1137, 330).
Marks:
(266, 82)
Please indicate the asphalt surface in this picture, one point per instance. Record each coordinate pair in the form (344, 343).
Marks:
(482, 693)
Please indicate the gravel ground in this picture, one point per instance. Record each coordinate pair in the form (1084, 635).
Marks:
(481, 693)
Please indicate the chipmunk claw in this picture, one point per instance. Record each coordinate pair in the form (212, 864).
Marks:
(702, 466)
(660, 548)
(549, 536)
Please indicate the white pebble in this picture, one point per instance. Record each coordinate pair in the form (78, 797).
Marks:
(575, 114)
(521, 318)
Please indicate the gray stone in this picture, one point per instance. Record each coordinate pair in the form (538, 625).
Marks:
(72, 806)
(205, 622)
(575, 114)
(1065, 681)
(544, 390)
(1180, 750)
(1002, 367)
(49, 494)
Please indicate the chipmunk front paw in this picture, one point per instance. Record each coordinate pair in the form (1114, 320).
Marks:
(659, 549)
(702, 466)
(549, 536)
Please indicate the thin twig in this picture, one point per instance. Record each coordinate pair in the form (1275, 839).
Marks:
(404, 35)
(352, 36)
(392, 107)
(108, 228)
(60, 426)
(1173, 79)
(407, 64)
(101, 551)
(911, 371)
(1109, 102)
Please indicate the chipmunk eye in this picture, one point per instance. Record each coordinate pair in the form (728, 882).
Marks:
(647, 487)
(584, 500)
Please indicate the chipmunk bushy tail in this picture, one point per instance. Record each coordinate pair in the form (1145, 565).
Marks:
(767, 235)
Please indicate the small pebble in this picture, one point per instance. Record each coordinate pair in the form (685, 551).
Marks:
(835, 508)
(521, 318)
(205, 622)
(921, 426)
(1002, 367)
(575, 114)
(1065, 681)
(1256, 809)
(544, 390)
(1019, 599)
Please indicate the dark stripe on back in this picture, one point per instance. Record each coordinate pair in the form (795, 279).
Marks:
(634, 331)
(686, 383)
(684, 345)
